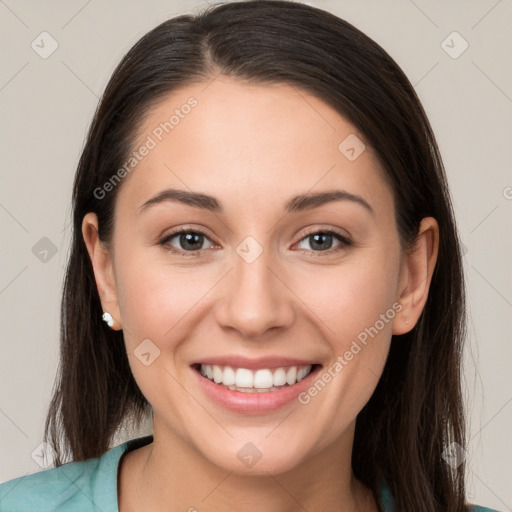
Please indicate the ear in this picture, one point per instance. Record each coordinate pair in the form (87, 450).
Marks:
(102, 264)
(418, 265)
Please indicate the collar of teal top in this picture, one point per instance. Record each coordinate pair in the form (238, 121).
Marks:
(385, 497)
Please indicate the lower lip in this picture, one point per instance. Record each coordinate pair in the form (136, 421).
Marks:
(254, 403)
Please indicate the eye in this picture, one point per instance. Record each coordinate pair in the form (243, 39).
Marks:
(186, 241)
(322, 241)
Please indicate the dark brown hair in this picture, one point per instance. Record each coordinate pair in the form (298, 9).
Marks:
(416, 409)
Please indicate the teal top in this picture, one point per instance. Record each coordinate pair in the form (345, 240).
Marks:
(90, 486)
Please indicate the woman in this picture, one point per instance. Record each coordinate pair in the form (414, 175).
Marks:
(265, 259)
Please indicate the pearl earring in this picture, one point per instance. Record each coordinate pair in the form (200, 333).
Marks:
(107, 318)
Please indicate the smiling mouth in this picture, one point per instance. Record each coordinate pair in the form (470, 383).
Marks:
(263, 380)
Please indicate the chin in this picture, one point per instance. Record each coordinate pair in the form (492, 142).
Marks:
(258, 457)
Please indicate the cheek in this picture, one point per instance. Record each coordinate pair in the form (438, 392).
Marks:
(154, 299)
(351, 297)
(158, 304)
(355, 305)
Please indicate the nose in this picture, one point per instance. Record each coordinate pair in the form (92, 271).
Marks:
(254, 298)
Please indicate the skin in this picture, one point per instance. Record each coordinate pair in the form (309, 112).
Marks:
(253, 147)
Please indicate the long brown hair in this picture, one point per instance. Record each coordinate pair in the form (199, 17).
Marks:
(416, 410)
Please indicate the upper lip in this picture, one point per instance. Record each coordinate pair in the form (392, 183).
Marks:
(254, 363)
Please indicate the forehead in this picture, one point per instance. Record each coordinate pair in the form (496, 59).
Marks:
(266, 142)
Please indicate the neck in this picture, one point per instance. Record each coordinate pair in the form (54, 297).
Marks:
(169, 475)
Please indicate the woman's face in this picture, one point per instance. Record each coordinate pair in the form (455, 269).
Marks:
(292, 260)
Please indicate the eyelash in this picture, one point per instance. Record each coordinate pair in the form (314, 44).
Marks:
(344, 241)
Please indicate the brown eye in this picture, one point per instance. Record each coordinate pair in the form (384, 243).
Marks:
(323, 241)
(186, 241)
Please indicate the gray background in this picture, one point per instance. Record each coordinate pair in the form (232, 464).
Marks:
(47, 104)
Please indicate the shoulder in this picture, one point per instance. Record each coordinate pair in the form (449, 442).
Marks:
(89, 485)
(68, 485)
(388, 505)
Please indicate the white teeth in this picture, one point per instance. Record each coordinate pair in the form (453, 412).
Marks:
(253, 390)
(228, 378)
(291, 375)
(303, 372)
(243, 378)
(263, 379)
(248, 381)
(217, 374)
(279, 377)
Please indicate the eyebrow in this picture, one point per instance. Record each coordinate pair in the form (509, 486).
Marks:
(309, 201)
(202, 201)
(298, 203)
